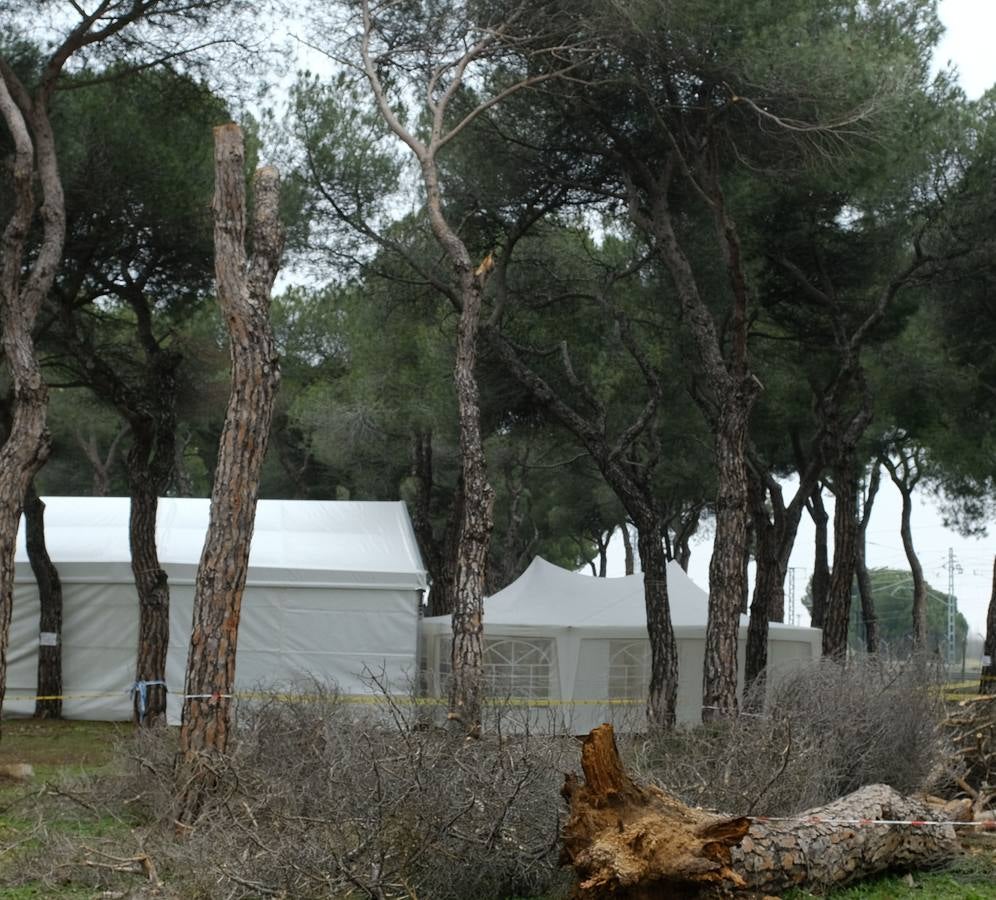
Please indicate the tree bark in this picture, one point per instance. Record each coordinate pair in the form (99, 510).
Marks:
(479, 498)
(727, 586)
(987, 682)
(629, 842)
(49, 683)
(820, 584)
(769, 590)
(21, 293)
(662, 693)
(868, 615)
(153, 601)
(905, 476)
(244, 296)
(845, 531)
(776, 525)
(731, 390)
(628, 561)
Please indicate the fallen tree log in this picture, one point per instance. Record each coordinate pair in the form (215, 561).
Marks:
(633, 842)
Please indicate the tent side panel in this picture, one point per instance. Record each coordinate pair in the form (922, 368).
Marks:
(100, 634)
(22, 657)
(289, 636)
(691, 659)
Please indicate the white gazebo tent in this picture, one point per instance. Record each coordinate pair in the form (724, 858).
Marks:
(333, 590)
(560, 641)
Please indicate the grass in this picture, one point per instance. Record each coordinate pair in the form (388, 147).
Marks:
(38, 891)
(60, 748)
(34, 815)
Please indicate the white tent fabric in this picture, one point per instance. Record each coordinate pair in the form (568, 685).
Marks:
(333, 590)
(546, 594)
(574, 649)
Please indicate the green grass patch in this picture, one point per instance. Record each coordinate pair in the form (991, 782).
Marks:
(39, 891)
(57, 748)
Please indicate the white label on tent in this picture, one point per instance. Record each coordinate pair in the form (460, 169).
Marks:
(987, 660)
(48, 639)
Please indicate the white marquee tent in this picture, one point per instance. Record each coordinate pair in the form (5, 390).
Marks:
(581, 642)
(333, 588)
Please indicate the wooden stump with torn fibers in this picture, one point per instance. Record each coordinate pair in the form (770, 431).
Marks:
(633, 842)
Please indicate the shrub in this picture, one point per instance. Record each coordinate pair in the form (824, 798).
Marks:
(827, 730)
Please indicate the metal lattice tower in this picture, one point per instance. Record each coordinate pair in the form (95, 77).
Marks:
(952, 567)
(791, 610)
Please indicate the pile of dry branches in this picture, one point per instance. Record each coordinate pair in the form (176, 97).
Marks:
(324, 798)
(827, 730)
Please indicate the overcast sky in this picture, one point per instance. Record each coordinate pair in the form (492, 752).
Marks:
(968, 42)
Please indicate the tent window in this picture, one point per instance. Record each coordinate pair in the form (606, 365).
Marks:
(524, 668)
(629, 669)
(518, 667)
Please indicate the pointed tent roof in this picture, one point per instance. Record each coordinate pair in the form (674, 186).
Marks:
(546, 594)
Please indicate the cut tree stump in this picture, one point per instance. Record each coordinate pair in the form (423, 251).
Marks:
(633, 842)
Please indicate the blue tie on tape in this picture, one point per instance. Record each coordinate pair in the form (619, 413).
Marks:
(142, 687)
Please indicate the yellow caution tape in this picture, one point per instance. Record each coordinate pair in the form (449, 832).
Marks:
(349, 698)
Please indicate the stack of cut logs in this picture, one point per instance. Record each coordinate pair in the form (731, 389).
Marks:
(971, 727)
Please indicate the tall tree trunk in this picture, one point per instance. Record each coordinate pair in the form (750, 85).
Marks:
(662, 693)
(244, 296)
(769, 587)
(987, 682)
(869, 619)
(627, 548)
(905, 476)
(845, 532)
(49, 683)
(820, 584)
(766, 586)
(464, 292)
(868, 615)
(149, 696)
(775, 534)
(21, 293)
(477, 523)
(151, 463)
(478, 506)
(727, 587)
